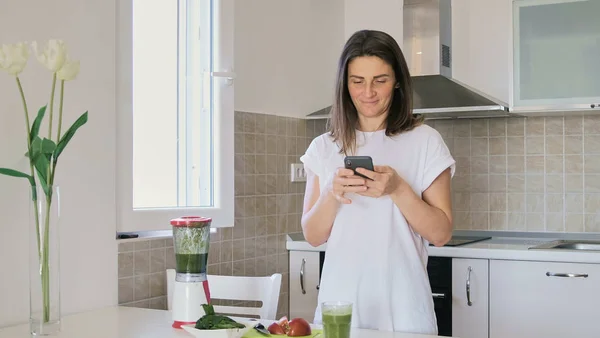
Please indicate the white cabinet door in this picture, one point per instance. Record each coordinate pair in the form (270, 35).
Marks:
(543, 299)
(304, 282)
(556, 53)
(481, 46)
(470, 298)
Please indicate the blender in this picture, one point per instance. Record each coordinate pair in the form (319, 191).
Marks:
(191, 239)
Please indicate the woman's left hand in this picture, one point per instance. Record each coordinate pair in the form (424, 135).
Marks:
(384, 181)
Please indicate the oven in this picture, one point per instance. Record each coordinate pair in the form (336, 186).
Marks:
(440, 279)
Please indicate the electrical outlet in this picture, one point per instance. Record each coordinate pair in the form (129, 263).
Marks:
(297, 173)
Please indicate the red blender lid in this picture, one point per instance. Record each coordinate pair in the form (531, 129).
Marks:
(190, 221)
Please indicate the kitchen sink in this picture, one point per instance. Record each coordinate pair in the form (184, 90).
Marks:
(579, 245)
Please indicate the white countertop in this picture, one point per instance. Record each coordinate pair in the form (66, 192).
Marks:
(126, 322)
(509, 248)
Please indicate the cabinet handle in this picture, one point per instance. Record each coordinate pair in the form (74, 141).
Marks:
(438, 295)
(302, 276)
(560, 274)
(469, 302)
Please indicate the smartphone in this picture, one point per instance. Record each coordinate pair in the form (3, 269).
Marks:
(354, 162)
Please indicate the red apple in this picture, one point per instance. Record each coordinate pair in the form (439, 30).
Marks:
(299, 328)
(276, 329)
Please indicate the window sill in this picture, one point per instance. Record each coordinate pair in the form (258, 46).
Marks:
(126, 237)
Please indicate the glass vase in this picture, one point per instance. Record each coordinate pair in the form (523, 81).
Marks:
(44, 254)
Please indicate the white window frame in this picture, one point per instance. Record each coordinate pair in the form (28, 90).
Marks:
(222, 212)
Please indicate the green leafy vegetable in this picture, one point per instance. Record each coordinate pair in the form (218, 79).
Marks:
(212, 321)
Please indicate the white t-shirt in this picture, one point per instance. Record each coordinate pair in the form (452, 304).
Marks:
(374, 258)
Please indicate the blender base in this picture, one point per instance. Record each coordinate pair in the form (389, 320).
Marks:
(187, 302)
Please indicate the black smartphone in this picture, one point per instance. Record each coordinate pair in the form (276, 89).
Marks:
(354, 162)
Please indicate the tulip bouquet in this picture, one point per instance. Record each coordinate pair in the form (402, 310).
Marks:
(43, 151)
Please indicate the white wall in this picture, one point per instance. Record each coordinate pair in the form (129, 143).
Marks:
(87, 171)
(286, 54)
(384, 15)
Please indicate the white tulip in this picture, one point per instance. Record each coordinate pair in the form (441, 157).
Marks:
(53, 56)
(68, 71)
(13, 58)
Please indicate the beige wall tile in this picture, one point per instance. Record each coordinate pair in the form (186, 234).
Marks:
(479, 128)
(462, 128)
(554, 145)
(515, 126)
(574, 222)
(498, 146)
(554, 126)
(480, 147)
(534, 126)
(573, 145)
(479, 202)
(554, 164)
(515, 164)
(516, 202)
(555, 222)
(498, 221)
(534, 145)
(498, 202)
(591, 125)
(574, 125)
(535, 222)
(498, 164)
(497, 127)
(554, 183)
(515, 145)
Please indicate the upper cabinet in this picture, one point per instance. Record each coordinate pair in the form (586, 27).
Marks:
(556, 55)
(481, 46)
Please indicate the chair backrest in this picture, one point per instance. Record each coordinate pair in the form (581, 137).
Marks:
(240, 288)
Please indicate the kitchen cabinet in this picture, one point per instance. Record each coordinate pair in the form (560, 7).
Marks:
(304, 284)
(556, 46)
(470, 298)
(543, 299)
(481, 46)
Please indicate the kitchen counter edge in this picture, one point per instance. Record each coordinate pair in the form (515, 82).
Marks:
(489, 250)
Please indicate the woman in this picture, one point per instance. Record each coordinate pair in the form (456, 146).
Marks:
(377, 231)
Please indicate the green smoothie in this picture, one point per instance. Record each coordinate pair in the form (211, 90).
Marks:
(336, 325)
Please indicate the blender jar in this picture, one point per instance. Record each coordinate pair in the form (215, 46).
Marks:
(191, 239)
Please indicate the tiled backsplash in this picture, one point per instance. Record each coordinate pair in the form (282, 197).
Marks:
(268, 206)
(525, 174)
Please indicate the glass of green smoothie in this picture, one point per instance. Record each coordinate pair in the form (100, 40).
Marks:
(337, 318)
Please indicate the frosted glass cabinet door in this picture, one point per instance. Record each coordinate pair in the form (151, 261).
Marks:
(556, 54)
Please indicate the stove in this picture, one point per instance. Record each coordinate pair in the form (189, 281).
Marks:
(462, 240)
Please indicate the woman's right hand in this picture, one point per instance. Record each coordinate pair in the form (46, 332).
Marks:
(344, 181)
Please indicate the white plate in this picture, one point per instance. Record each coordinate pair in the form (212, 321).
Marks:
(225, 333)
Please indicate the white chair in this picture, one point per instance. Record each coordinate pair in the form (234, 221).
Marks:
(265, 289)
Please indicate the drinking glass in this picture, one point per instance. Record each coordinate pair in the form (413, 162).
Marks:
(337, 319)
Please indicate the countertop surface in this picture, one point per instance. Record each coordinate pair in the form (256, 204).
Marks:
(126, 322)
(501, 245)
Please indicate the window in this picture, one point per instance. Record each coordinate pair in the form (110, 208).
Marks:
(174, 112)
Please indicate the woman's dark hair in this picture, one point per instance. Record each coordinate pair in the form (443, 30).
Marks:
(344, 117)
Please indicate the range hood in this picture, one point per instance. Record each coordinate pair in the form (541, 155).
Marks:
(427, 47)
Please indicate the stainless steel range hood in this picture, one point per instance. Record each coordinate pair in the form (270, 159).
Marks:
(427, 47)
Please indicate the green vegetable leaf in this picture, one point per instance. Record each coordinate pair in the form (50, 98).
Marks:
(47, 146)
(35, 127)
(41, 164)
(208, 309)
(64, 140)
(16, 173)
